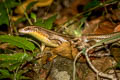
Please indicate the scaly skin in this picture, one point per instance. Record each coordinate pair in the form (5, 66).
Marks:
(99, 37)
(53, 39)
(48, 37)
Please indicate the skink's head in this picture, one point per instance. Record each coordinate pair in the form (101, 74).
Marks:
(38, 33)
(28, 29)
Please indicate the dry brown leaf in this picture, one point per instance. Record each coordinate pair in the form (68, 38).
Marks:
(92, 25)
(61, 20)
(68, 50)
(99, 26)
(4, 46)
(41, 3)
(104, 28)
(117, 28)
(63, 50)
(20, 9)
(116, 14)
(77, 6)
(115, 51)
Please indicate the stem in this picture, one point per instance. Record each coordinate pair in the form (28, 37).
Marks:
(74, 68)
(26, 15)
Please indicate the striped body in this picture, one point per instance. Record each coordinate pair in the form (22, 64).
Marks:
(98, 37)
(54, 39)
(48, 37)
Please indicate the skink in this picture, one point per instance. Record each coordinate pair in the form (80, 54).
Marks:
(53, 39)
(48, 37)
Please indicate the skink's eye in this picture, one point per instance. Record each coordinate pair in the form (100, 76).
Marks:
(28, 28)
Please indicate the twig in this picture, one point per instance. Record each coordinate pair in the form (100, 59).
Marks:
(26, 15)
(101, 74)
(74, 67)
(107, 3)
(9, 18)
(36, 44)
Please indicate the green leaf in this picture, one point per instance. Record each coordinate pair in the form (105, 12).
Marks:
(33, 16)
(40, 22)
(20, 20)
(19, 75)
(14, 57)
(4, 73)
(31, 5)
(18, 41)
(92, 4)
(48, 23)
(11, 3)
(3, 15)
(14, 65)
(83, 50)
(12, 61)
(117, 65)
(5, 9)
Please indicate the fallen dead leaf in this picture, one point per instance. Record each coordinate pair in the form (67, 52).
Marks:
(117, 28)
(41, 3)
(63, 50)
(4, 46)
(104, 28)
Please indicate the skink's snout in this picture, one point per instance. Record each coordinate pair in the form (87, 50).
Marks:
(21, 30)
(25, 30)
